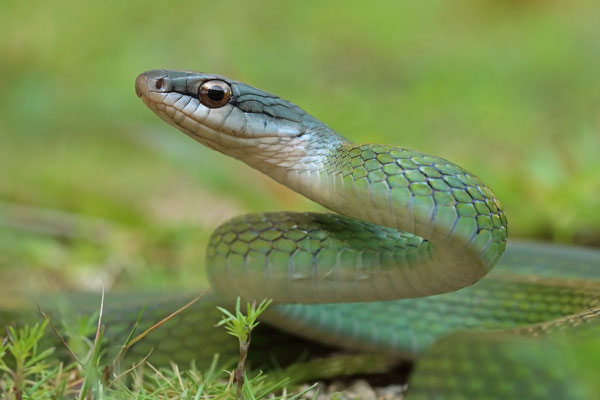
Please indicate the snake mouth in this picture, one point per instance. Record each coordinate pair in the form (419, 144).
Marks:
(175, 108)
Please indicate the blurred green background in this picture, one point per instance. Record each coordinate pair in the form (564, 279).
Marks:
(94, 189)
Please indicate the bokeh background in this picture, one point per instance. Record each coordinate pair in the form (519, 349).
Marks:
(95, 189)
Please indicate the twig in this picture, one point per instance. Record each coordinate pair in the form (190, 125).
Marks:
(62, 339)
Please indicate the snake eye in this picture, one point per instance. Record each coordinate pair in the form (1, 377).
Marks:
(214, 93)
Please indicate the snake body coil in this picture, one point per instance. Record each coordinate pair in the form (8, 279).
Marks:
(407, 225)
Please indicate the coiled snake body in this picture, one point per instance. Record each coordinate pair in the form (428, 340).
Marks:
(406, 225)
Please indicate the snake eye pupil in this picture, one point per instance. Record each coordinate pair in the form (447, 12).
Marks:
(214, 93)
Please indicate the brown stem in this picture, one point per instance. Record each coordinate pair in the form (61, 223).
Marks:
(238, 375)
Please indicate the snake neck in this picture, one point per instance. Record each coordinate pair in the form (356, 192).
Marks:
(298, 162)
(325, 167)
(402, 189)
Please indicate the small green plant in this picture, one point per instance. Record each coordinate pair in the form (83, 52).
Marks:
(31, 369)
(24, 365)
(241, 326)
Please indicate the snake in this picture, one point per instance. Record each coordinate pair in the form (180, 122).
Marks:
(394, 267)
(411, 262)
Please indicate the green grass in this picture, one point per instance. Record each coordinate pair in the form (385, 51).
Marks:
(32, 370)
(72, 358)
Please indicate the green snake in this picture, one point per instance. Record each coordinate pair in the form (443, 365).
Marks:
(391, 270)
(407, 227)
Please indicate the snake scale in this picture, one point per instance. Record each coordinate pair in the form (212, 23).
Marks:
(392, 270)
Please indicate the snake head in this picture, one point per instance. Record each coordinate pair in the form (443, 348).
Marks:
(223, 114)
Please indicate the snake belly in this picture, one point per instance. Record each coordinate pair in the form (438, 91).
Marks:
(407, 227)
